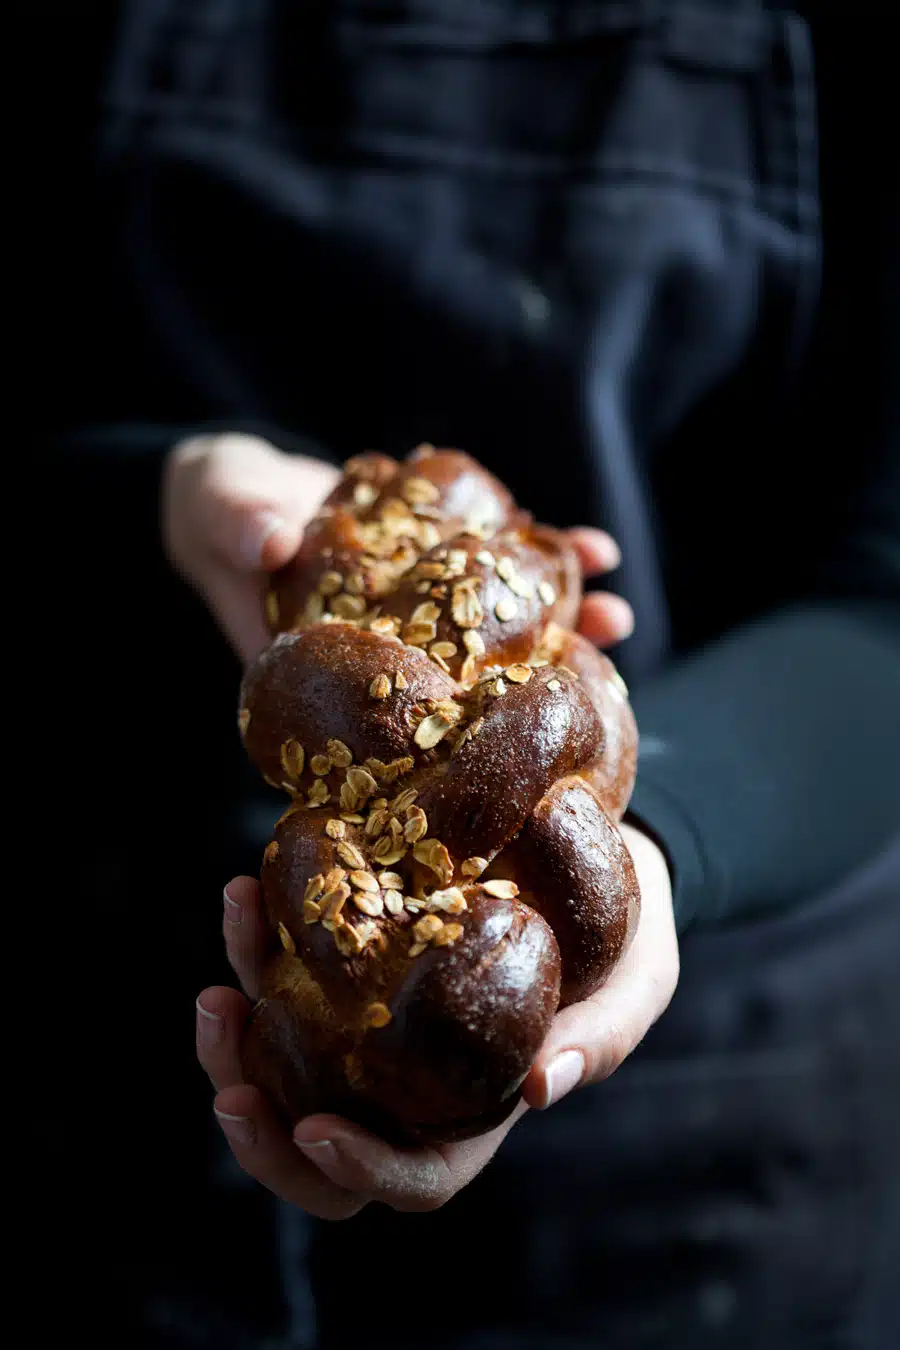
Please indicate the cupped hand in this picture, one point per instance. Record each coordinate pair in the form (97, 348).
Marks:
(234, 509)
(331, 1167)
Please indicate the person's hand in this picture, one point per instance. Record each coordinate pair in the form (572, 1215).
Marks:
(234, 509)
(331, 1167)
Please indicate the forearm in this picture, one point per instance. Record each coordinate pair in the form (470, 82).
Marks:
(770, 761)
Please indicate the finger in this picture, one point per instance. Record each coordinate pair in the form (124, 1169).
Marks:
(262, 1144)
(408, 1179)
(236, 602)
(589, 1040)
(247, 937)
(605, 619)
(249, 507)
(221, 1018)
(597, 551)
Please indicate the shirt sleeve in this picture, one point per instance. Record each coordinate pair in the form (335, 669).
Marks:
(770, 761)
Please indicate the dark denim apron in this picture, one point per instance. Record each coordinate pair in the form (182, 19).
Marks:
(547, 232)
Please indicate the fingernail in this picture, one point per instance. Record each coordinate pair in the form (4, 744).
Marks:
(317, 1150)
(612, 554)
(239, 1129)
(621, 614)
(565, 1073)
(255, 533)
(234, 912)
(210, 1028)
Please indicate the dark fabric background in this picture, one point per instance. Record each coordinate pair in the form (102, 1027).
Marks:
(735, 1184)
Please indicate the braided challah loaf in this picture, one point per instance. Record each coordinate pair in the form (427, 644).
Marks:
(448, 872)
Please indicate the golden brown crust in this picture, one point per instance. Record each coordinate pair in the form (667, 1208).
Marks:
(448, 869)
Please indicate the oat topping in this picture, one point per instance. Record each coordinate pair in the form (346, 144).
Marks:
(434, 855)
(431, 730)
(393, 901)
(467, 669)
(386, 852)
(330, 583)
(333, 902)
(416, 826)
(369, 902)
(271, 852)
(400, 680)
(243, 720)
(465, 606)
(362, 783)
(314, 887)
(335, 829)
(311, 911)
(313, 610)
(427, 612)
(446, 936)
(419, 634)
(554, 685)
(339, 754)
(377, 1015)
(320, 765)
(347, 940)
(380, 686)
(449, 901)
(348, 606)
(506, 609)
(377, 822)
(350, 855)
(519, 674)
(425, 928)
(474, 866)
(547, 593)
(292, 758)
(272, 609)
(287, 941)
(501, 890)
(364, 881)
(419, 491)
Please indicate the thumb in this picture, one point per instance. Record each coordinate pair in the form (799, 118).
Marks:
(588, 1041)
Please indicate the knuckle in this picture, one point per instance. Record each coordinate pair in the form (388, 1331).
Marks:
(422, 1204)
(617, 1046)
(661, 987)
(333, 1211)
